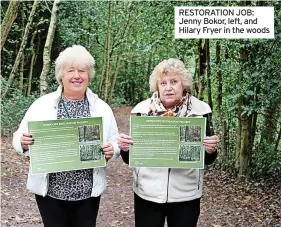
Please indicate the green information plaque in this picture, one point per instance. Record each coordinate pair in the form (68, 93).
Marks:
(63, 145)
(167, 142)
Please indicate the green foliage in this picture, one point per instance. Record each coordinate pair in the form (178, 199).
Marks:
(39, 28)
(189, 153)
(86, 153)
(142, 33)
(51, 80)
(267, 163)
(117, 101)
(256, 83)
(13, 108)
(90, 152)
(96, 151)
(142, 45)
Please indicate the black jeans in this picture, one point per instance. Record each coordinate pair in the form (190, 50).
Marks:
(61, 213)
(180, 214)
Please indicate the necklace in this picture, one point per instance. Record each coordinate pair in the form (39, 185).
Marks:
(69, 99)
(74, 115)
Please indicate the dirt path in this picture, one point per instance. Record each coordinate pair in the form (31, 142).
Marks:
(225, 202)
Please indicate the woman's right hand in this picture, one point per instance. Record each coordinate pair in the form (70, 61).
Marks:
(26, 140)
(124, 142)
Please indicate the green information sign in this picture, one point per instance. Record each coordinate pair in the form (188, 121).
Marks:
(167, 142)
(63, 145)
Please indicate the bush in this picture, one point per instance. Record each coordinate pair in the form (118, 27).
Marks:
(267, 163)
(13, 108)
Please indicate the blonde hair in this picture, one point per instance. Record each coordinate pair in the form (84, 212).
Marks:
(171, 66)
(76, 55)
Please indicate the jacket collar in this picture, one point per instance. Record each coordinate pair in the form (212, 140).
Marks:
(198, 107)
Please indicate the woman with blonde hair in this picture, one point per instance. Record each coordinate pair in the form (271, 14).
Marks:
(70, 198)
(171, 193)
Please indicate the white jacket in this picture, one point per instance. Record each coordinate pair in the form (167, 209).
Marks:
(45, 108)
(163, 185)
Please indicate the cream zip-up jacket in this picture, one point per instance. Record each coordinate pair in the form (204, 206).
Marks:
(45, 108)
(163, 185)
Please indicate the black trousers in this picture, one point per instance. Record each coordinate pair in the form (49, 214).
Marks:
(61, 213)
(180, 214)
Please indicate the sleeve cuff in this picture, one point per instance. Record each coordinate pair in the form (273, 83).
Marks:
(116, 151)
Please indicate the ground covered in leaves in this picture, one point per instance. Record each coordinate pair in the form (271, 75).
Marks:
(226, 202)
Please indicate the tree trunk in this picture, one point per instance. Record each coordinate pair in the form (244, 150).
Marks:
(245, 122)
(20, 53)
(102, 79)
(223, 125)
(239, 127)
(238, 136)
(224, 139)
(48, 49)
(253, 127)
(22, 58)
(133, 94)
(208, 68)
(105, 80)
(21, 73)
(245, 130)
(278, 139)
(241, 161)
(195, 76)
(270, 123)
(209, 84)
(113, 79)
(8, 20)
(219, 80)
(32, 62)
(269, 128)
(202, 50)
(149, 62)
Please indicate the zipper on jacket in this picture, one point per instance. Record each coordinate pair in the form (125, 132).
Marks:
(169, 171)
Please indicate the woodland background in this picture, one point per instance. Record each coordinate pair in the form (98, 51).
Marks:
(239, 78)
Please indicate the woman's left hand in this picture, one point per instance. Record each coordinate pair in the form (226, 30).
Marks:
(108, 151)
(211, 143)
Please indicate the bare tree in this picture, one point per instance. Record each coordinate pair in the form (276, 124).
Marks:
(106, 72)
(48, 48)
(114, 77)
(20, 53)
(33, 60)
(10, 16)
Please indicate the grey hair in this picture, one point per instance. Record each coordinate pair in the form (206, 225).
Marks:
(167, 67)
(76, 55)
